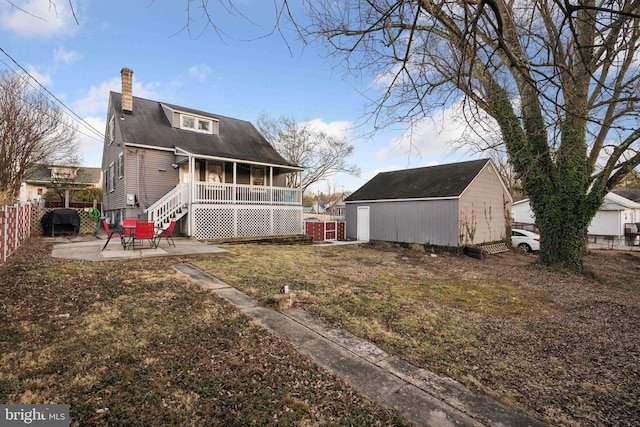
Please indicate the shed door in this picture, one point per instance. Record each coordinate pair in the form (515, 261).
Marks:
(363, 223)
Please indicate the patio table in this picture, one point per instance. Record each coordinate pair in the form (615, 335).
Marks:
(128, 235)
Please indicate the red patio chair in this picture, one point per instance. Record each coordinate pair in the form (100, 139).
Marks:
(166, 233)
(144, 231)
(110, 233)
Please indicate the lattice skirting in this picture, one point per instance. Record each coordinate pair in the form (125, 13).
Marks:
(215, 222)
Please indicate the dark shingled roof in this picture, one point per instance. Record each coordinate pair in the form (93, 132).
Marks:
(632, 194)
(429, 182)
(149, 125)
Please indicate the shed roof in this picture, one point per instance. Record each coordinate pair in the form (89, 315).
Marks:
(237, 139)
(439, 181)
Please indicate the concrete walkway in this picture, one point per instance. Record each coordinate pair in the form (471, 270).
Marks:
(421, 397)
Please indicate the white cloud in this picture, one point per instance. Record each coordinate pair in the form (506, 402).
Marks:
(97, 97)
(93, 109)
(201, 72)
(43, 78)
(60, 55)
(38, 18)
(438, 135)
(338, 129)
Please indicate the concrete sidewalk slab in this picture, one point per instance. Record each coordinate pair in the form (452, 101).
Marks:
(422, 397)
(205, 279)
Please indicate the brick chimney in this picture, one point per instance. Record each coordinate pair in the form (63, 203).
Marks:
(127, 90)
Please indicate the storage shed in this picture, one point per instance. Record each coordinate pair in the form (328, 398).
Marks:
(455, 204)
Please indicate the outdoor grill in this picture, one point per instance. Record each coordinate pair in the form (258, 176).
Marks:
(60, 221)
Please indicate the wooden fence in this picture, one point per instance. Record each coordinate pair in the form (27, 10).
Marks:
(15, 227)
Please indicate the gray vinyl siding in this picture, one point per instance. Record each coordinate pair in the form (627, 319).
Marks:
(149, 175)
(420, 221)
(112, 200)
(484, 209)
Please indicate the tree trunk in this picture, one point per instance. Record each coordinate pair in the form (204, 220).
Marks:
(563, 228)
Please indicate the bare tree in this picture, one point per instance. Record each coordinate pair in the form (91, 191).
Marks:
(559, 78)
(33, 130)
(321, 155)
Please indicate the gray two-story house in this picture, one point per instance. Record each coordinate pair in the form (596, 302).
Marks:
(217, 176)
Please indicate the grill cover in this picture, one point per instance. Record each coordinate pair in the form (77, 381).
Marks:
(60, 221)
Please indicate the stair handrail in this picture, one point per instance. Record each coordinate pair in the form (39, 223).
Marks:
(169, 205)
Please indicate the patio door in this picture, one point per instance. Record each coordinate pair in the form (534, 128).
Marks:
(363, 223)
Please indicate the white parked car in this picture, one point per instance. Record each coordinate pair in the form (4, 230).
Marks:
(528, 241)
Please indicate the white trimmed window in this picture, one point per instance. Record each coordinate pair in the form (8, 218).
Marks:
(112, 175)
(257, 175)
(111, 130)
(197, 124)
(204, 126)
(121, 165)
(188, 122)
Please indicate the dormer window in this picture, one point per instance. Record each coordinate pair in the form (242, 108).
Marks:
(204, 126)
(197, 124)
(188, 122)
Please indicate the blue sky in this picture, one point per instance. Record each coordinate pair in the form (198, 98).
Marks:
(239, 74)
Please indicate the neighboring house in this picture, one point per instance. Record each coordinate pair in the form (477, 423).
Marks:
(319, 208)
(521, 213)
(456, 204)
(43, 178)
(631, 194)
(608, 224)
(216, 175)
(337, 207)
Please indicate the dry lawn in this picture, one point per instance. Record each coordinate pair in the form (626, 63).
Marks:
(134, 343)
(560, 347)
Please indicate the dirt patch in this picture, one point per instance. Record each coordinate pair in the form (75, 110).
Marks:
(561, 347)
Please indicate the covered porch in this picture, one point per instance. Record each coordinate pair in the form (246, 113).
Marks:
(228, 198)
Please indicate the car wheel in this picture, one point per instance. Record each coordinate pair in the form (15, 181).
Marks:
(525, 248)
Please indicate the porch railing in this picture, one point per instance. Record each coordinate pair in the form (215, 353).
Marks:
(210, 192)
(170, 206)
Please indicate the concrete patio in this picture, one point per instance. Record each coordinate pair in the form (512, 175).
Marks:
(90, 248)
